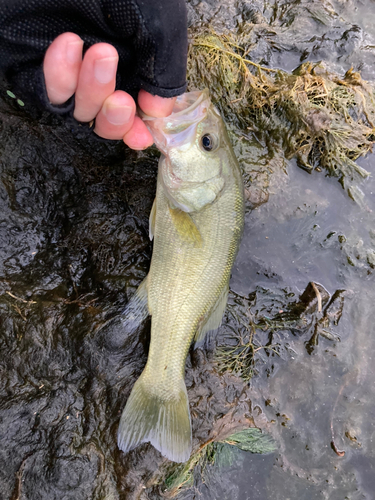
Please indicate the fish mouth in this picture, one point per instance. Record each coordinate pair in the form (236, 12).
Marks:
(179, 127)
(187, 103)
(184, 105)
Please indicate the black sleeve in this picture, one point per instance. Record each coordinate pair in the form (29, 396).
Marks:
(149, 35)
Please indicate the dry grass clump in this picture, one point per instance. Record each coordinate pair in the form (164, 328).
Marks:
(315, 116)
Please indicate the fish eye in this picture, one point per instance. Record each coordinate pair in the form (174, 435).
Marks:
(208, 142)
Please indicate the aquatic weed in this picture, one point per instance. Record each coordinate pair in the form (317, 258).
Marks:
(219, 454)
(242, 344)
(260, 328)
(317, 117)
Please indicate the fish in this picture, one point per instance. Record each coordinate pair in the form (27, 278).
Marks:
(196, 223)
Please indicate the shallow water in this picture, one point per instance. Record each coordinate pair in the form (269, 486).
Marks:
(312, 398)
(312, 394)
(73, 228)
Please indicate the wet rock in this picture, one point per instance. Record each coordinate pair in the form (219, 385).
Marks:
(74, 247)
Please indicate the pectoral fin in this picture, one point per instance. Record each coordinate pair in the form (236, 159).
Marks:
(215, 318)
(151, 230)
(185, 227)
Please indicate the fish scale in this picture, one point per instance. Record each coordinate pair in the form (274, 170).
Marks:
(206, 270)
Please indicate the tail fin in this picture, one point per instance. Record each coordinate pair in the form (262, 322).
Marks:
(165, 424)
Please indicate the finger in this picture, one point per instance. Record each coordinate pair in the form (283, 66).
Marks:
(116, 117)
(138, 136)
(96, 82)
(155, 106)
(61, 66)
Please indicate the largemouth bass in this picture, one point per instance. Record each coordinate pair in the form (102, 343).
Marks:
(196, 223)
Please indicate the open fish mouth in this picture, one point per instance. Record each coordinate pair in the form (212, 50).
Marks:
(189, 140)
(178, 129)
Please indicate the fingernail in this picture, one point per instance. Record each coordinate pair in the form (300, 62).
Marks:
(105, 69)
(117, 115)
(74, 51)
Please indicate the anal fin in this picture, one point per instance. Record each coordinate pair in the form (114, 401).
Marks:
(114, 333)
(215, 318)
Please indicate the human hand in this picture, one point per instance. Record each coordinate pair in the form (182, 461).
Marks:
(93, 82)
(145, 40)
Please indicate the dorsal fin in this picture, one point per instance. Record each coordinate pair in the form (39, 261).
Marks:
(185, 227)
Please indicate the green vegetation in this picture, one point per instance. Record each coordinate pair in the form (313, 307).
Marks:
(239, 358)
(223, 453)
(315, 116)
(244, 344)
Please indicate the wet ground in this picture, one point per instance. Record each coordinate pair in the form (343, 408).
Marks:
(317, 395)
(74, 246)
